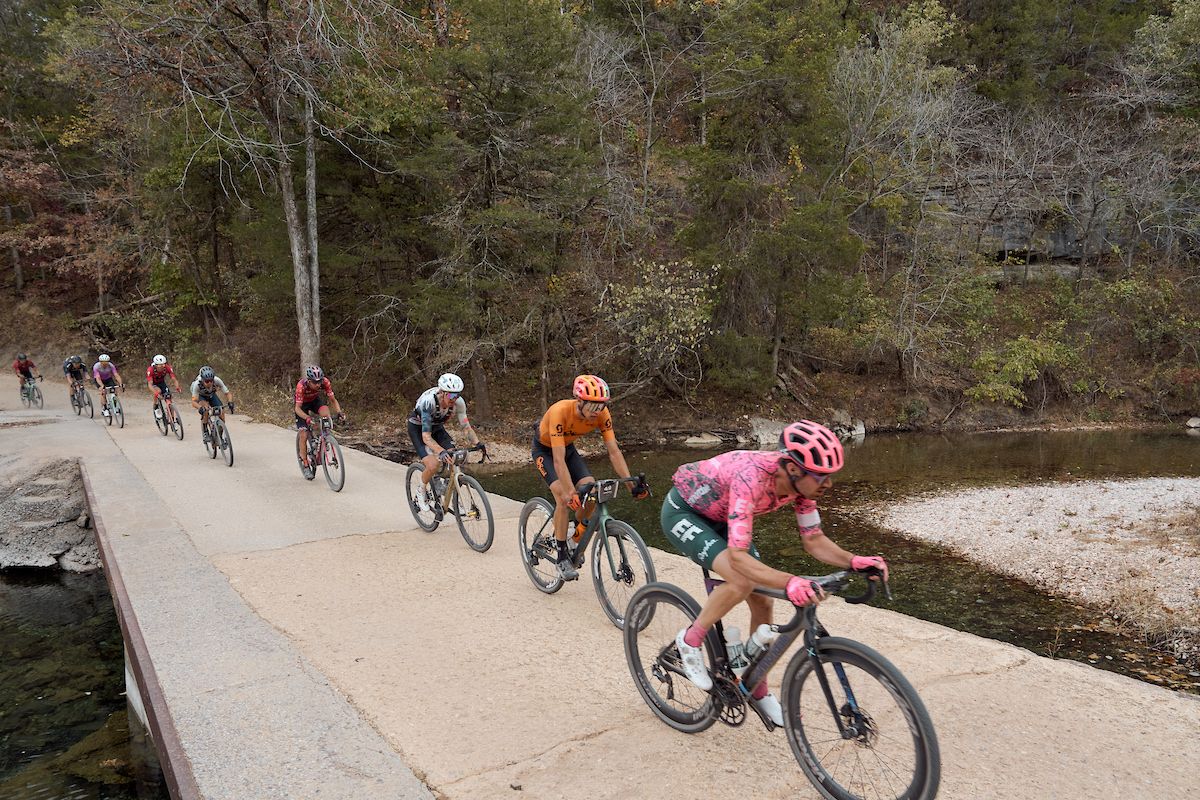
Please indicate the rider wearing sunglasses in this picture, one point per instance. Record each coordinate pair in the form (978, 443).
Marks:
(427, 427)
(555, 455)
(709, 516)
(307, 402)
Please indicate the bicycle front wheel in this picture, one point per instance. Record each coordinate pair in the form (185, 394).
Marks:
(656, 614)
(160, 418)
(539, 553)
(177, 424)
(75, 406)
(224, 442)
(413, 487)
(87, 403)
(332, 464)
(110, 408)
(620, 566)
(474, 514)
(36, 396)
(872, 738)
(210, 444)
(119, 413)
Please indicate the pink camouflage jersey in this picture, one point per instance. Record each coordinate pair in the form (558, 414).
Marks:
(735, 487)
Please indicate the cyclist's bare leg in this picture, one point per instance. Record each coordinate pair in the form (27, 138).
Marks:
(734, 590)
(302, 445)
(431, 467)
(589, 507)
(561, 511)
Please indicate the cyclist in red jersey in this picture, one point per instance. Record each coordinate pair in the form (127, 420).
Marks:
(156, 378)
(709, 516)
(24, 368)
(308, 402)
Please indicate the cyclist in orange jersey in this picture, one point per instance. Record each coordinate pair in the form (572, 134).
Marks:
(560, 464)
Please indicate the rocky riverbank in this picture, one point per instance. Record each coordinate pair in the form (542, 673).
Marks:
(43, 516)
(1131, 547)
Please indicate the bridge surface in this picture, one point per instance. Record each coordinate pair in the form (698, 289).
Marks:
(295, 643)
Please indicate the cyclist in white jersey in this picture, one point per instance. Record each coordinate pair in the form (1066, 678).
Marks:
(427, 427)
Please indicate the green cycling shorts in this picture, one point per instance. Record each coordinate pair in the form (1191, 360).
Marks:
(693, 534)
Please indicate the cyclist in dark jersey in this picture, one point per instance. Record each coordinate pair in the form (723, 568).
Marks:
(206, 397)
(75, 372)
(709, 516)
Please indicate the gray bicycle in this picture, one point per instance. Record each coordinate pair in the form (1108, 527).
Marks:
(620, 559)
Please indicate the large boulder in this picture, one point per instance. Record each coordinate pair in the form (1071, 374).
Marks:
(703, 441)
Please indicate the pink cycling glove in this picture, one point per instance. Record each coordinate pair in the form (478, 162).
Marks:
(859, 563)
(802, 591)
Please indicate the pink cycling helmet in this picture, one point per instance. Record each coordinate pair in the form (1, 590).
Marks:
(812, 446)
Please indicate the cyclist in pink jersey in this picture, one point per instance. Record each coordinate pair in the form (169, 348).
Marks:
(709, 516)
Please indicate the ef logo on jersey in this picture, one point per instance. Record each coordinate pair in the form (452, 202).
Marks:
(685, 531)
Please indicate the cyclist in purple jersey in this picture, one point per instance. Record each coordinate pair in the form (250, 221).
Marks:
(709, 516)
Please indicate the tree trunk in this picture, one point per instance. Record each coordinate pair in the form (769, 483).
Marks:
(310, 199)
(310, 343)
(542, 356)
(482, 397)
(14, 252)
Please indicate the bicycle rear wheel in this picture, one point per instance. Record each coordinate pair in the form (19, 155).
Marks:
(332, 464)
(223, 441)
(427, 520)
(539, 553)
(886, 746)
(656, 614)
(629, 570)
(473, 513)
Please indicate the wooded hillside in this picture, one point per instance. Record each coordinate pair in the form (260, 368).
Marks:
(913, 206)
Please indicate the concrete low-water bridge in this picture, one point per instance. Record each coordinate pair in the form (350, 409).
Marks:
(284, 641)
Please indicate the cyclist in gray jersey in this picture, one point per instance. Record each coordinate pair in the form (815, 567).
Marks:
(206, 391)
(427, 427)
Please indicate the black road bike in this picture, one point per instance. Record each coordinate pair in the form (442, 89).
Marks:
(620, 559)
(80, 399)
(217, 439)
(453, 489)
(856, 726)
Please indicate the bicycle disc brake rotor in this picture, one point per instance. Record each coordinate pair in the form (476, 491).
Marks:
(729, 696)
(859, 726)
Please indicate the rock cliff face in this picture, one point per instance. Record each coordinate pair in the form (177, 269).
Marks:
(43, 516)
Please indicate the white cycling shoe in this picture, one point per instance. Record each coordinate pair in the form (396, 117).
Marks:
(423, 501)
(769, 705)
(692, 660)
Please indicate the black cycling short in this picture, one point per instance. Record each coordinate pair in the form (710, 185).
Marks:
(162, 387)
(312, 408)
(214, 402)
(439, 434)
(543, 459)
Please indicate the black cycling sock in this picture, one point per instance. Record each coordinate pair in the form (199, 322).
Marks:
(563, 553)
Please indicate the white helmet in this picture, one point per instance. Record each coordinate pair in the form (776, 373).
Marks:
(450, 383)
(104, 359)
(159, 360)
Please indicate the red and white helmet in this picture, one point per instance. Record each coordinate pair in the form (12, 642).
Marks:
(592, 389)
(812, 446)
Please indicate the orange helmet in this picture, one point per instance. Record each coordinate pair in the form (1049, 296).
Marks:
(592, 388)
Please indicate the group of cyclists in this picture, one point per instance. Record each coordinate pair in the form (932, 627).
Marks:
(707, 515)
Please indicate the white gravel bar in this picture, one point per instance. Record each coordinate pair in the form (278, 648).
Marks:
(1104, 542)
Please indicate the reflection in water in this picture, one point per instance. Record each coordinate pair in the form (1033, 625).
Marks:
(930, 582)
(64, 731)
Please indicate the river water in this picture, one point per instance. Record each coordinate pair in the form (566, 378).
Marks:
(64, 732)
(929, 581)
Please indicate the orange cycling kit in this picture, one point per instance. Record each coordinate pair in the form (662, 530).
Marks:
(561, 425)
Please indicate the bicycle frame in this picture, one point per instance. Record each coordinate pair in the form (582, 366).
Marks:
(805, 623)
(451, 476)
(604, 491)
